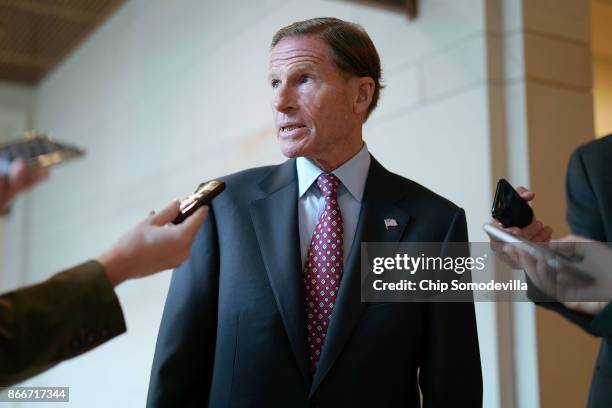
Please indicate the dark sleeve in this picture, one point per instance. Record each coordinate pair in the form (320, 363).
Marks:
(583, 213)
(67, 315)
(184, 354)
(450, 374)
(601, 324)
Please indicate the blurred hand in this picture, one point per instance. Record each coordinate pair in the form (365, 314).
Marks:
(153, 245)
(560, 283)
(591, 308)
(540, 274)
(19, 177)
(535, 232)
(597, 258)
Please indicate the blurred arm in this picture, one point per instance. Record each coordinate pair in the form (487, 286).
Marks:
(67, 315)
(77, 310)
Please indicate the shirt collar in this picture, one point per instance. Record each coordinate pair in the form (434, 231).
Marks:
(352, 174)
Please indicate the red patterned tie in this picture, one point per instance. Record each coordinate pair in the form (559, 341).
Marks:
(323, 268)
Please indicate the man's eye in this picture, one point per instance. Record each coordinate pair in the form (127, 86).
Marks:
(304, 79)
(275, 83)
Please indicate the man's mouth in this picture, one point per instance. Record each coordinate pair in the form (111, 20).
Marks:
(290, 128)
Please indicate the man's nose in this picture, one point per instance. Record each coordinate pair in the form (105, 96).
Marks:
(284, 99)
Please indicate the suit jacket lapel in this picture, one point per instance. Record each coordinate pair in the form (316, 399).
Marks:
(378, 203)
(275, 221)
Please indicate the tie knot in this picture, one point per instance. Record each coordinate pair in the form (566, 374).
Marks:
(328, 183)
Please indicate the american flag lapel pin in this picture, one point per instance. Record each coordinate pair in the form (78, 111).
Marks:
(390, 223)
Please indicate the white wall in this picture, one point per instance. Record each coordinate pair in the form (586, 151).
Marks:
(167, 94)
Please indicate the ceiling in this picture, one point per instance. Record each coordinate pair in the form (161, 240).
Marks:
(36, 34)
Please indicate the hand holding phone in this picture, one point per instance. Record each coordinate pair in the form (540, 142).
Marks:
(15, 177)
(201, 196)
(509, 208)
(37, 150)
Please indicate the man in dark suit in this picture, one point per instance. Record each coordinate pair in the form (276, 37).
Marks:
(76, 310)
(266, 312)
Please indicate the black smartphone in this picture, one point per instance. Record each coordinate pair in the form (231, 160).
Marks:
(201, 196)
(509, 208)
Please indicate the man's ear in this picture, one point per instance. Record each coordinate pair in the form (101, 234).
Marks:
(364, 91)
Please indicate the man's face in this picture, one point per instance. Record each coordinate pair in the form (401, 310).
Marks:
(312, 102)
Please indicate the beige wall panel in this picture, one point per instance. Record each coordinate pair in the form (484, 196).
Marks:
(559, 120)
(553, 60)
(569, 19)
(601, 27)
(602, 95)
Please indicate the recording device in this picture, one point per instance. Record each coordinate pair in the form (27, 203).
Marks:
(201, 196)
(509, 208)
(554, 259)
(38, 150)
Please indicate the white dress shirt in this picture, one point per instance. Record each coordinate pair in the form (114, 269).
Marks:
(352, 175)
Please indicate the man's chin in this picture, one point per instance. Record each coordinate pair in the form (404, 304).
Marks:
(291, 152)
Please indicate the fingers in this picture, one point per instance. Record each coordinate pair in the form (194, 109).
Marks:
(569, 287)
(509, 250)
(166, 215)
(39, 174)
(544, 235)
(191, 225)
(525, 194)
(538, 271)
(577, 306)
(510, 256)
(567, 247)
(18, 175)
(515, 231)
(182, 235)
(496, 224)
(526, 260)
(536, 232)
(573, 238)
(21, 176)
(586, 307)
(18, 178)
(532, 229)
(547, 277)
(567, 238)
